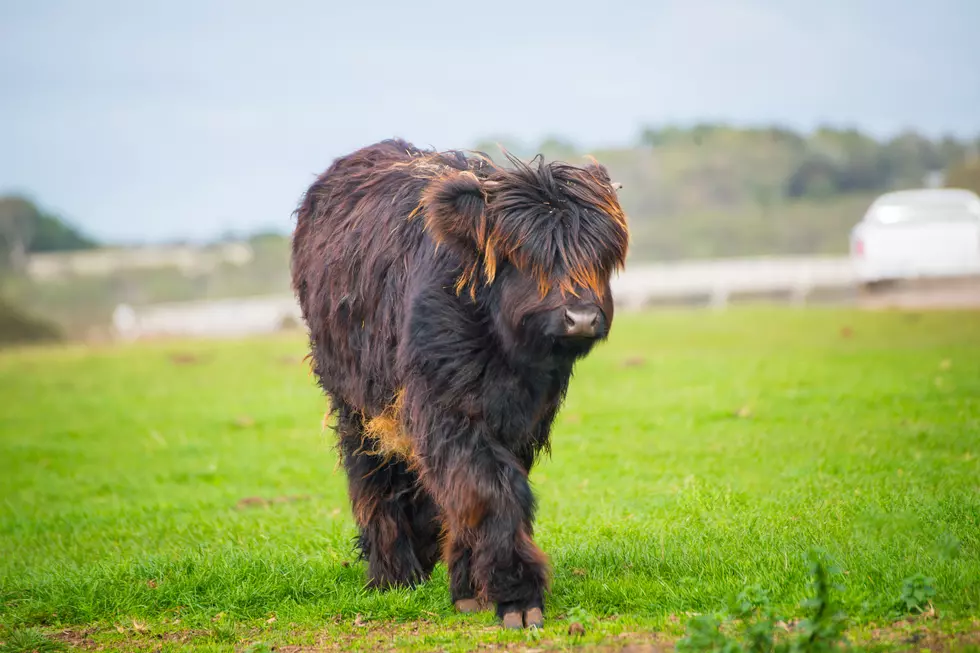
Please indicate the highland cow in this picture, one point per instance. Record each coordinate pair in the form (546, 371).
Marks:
(447, 300)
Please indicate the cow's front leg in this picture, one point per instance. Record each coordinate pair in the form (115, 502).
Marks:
(488, 508)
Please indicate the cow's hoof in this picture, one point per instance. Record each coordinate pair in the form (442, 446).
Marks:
(516, 619)
(513, 620)
(467, 606)
(534, 618)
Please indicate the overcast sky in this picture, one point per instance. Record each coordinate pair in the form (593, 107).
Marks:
(142, 121)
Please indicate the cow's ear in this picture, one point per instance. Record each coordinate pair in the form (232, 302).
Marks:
(601, 173)
(597, 170)
(455, 211)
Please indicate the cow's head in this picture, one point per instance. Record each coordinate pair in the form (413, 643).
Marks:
(538, 244)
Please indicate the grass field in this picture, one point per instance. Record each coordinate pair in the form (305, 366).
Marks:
(177, 495)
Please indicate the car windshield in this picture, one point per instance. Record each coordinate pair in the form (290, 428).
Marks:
(925, 208)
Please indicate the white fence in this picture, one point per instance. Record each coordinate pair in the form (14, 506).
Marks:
(209, 318)
(716, 281)
(187, 259)
(712, 282)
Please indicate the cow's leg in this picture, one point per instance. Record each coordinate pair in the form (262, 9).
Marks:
(425, 522)
(458, 555)
(398, 522)
(488, 509)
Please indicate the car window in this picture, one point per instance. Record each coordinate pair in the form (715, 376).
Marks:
(925, 211)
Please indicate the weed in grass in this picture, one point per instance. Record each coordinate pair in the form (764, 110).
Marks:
(823, 628)
(917, 593)
(29, 640)
(259, 647)
(579, 621)
(224, 631)
(751, 626)
(580, 615)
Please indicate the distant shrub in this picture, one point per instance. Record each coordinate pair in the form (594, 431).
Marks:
(17, 327)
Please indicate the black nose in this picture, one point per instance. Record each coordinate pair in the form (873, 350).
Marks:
(581, 321)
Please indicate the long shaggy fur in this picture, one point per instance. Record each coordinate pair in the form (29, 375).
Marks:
(427, 280)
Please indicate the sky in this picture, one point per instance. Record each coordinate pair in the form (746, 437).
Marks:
(183, 119)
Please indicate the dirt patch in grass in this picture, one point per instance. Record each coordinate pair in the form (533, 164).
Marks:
(77, 638)
(919, 634)
(905, 635)
(97, 639)
(262, 502)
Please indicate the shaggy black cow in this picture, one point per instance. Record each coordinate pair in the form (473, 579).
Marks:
(447, 300)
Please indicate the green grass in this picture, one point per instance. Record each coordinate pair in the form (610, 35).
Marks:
(697, 454)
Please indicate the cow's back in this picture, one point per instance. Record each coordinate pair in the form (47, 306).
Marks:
(352, 251)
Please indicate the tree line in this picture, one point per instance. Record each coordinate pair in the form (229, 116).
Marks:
(712, 189)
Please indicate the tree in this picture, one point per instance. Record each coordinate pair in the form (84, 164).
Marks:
(965, 174)
(492, 146)
(910, 157)
(18, 221)
(816, 177)
(53, 235)
(951, 151)
(24, 229)
(658, 137)
(558, 149)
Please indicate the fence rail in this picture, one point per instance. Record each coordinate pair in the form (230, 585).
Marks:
(717, 281)
(712, 282)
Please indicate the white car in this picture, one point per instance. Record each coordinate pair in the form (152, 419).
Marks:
(914, 234)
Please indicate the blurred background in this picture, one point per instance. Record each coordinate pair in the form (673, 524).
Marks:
(151, 154)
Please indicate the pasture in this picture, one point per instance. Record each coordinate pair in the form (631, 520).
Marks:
(181, 495)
